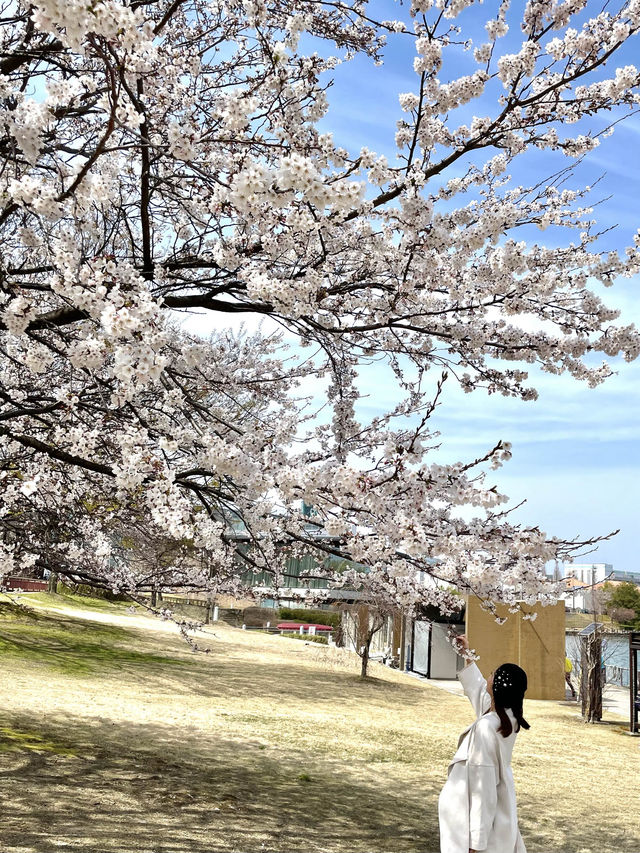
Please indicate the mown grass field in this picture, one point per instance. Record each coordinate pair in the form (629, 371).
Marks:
(114, 736)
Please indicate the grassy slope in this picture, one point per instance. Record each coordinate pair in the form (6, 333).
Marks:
(115, 737)
(577, 621)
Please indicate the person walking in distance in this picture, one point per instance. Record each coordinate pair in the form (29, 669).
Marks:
(477, 806)
(568, 669)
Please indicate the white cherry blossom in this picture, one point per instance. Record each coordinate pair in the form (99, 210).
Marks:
(166, 157)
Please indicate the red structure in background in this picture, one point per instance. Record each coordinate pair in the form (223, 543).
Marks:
(25, 584)
(295, 626)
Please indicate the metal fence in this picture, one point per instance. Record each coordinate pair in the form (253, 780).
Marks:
(617, 675)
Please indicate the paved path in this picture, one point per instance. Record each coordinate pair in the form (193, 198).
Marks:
(615, 700)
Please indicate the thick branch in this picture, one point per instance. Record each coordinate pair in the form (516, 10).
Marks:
(55, 453)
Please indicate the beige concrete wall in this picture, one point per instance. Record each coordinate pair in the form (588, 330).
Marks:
(538, 646)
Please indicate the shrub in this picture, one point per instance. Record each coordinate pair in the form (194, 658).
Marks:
(311, 638)
(320, 617)
(624, 616)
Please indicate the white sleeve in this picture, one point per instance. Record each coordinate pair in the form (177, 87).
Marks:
(483, 801)
(475, 689)
(484, 774)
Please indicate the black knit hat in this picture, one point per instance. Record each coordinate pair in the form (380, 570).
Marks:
(509, 685)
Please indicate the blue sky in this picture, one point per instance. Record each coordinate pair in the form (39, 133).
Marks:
(576, 455)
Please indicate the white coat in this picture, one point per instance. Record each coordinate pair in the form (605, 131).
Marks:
(477, 806)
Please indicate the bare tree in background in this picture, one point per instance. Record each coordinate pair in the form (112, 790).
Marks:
(360, 624)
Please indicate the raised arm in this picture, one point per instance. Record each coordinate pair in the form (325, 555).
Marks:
(475, 689)
(473, 682)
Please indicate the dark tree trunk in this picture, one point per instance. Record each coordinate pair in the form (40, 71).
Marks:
(53, 582)
(591, 677)
(364, 661)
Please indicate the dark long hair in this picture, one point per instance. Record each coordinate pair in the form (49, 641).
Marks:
(509, 687)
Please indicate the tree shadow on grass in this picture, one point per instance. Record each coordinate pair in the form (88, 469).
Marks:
(95, 786)
(91, 784)
(288, 783)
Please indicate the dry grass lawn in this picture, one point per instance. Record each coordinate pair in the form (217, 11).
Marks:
(114, 736)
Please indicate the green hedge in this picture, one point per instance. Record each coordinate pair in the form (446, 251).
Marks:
(319, 617)
(310, 638)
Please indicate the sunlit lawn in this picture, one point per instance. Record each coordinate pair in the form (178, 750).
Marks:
(114, 736)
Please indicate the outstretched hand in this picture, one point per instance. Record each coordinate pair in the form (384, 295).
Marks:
(461, 644)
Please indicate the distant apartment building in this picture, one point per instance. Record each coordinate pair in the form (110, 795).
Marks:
(584, 580)
(588, 573)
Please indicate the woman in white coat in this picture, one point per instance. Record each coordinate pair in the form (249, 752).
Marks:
(477, 806)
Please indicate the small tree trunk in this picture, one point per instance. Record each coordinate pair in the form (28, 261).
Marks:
(154, 598)
(53, 582)
(364, 661)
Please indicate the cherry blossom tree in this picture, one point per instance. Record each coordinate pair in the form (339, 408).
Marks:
(161, 157)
